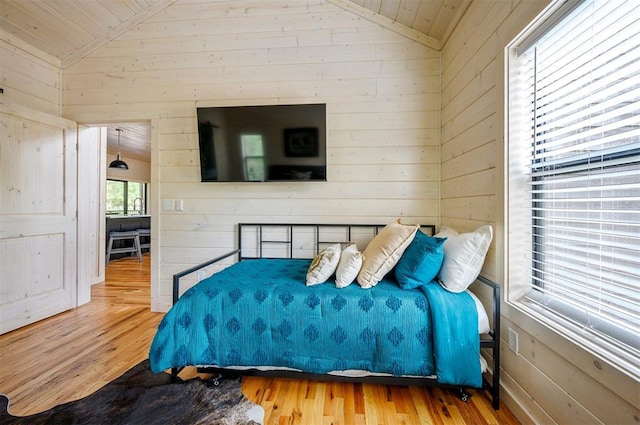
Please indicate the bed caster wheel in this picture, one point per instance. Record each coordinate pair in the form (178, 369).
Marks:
(216, 380)
(464, 395)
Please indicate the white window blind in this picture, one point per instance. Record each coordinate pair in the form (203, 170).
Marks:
(577, 84)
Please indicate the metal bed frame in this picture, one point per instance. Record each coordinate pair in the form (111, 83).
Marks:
(490, 341)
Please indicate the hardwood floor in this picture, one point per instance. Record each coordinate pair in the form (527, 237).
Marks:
(73, 354)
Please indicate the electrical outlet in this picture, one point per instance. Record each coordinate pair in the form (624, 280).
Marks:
(167, 204)
(201, 275)
(513, 341)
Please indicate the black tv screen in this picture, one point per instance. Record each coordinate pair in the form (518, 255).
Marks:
(262, 143)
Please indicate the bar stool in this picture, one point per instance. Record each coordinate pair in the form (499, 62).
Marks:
(146, 234)
(132, 236)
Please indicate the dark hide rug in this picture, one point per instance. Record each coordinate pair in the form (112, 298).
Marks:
(140, 396)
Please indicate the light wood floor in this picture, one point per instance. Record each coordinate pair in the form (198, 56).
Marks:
(73, 354)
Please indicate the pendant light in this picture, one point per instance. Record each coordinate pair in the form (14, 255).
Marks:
(118, 162)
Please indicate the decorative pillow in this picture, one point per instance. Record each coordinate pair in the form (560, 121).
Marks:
(421, 261)
(323, 265)
(463, 257)
(384, 251)
(349, 266)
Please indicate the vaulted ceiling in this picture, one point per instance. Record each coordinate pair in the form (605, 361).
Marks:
(68, 30)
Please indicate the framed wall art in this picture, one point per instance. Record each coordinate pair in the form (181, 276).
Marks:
(301, 142)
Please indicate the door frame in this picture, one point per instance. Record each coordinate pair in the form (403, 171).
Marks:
(91, 211)
(153, 195)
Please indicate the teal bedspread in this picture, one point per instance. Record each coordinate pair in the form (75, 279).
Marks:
(260, 313)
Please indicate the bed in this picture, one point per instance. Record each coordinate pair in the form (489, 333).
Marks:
(258, 314)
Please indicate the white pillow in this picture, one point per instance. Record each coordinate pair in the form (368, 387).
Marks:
(463, 257)
(323, 265)
(349, 266)
(384, 251)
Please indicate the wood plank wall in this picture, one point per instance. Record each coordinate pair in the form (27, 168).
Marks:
(139, 171)
(551, 379)
(383, 101)
(28, 76)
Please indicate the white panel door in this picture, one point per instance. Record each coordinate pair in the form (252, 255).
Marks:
(38, 163)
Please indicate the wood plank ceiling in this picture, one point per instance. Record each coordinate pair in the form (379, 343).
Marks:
(135, 141)
(430, 17)
(68, 30)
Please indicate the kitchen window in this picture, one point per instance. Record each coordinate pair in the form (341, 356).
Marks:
(126, 198)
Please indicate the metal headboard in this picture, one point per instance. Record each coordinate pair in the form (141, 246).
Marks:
(317, 228)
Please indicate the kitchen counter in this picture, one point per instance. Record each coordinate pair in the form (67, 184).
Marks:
(109, 217)
(125, 223)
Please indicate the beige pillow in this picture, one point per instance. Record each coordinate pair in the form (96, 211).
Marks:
(349, 266)
(323, 265)
(384, 251)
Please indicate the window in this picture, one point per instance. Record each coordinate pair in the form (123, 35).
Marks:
(574, 176)
(253, 154)
(126, 197)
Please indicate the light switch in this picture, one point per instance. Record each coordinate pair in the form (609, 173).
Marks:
(167, 204)
(179, 205)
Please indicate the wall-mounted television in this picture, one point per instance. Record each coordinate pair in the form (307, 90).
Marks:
(262, 143)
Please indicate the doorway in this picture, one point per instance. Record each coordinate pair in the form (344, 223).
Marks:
(118, 199)
(127, 195)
